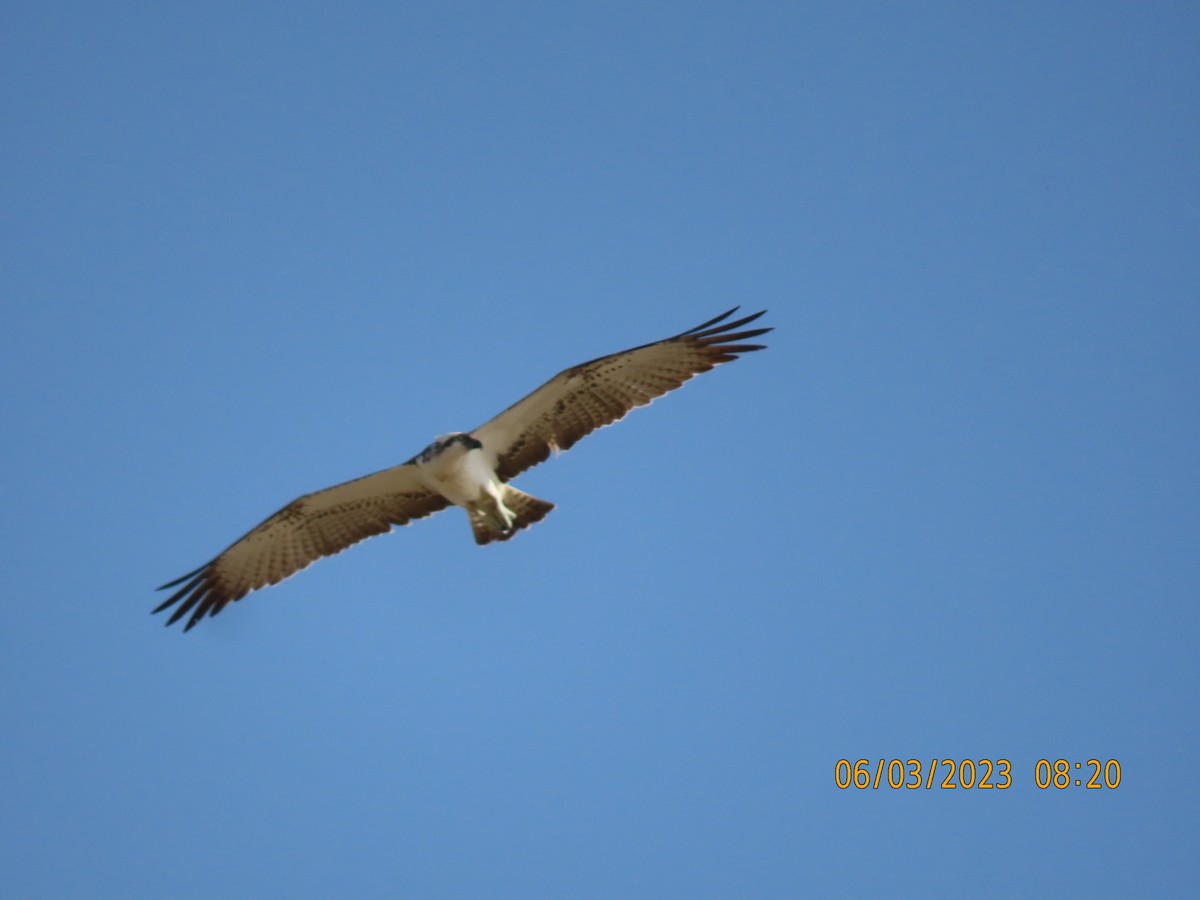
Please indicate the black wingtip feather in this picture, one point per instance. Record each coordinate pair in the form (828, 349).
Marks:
(724, 315)
(196, 577)
(701, 332)
(181, 579)
(195, 595)
(721, 338)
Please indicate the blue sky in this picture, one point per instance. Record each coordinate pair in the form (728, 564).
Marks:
(251, 250)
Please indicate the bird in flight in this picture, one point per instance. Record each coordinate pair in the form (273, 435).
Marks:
(467, 469)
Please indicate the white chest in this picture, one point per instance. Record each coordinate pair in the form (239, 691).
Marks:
(460, 475)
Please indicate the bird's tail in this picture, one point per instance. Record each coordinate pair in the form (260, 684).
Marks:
(525, 508)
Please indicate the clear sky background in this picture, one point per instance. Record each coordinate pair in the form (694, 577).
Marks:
(252, 249)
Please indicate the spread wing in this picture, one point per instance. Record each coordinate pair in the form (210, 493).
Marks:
(578, 400)
(312, 526)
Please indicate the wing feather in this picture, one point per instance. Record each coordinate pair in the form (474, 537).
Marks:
(310, 527)
(578, 400)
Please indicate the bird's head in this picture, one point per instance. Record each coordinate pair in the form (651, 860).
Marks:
(444, 442)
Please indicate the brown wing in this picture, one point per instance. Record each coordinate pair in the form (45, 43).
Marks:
(312, 526)
(581, 399)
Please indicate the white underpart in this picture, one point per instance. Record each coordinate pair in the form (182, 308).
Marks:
(465, 478)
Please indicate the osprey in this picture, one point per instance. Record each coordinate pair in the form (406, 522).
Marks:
(471, 469)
